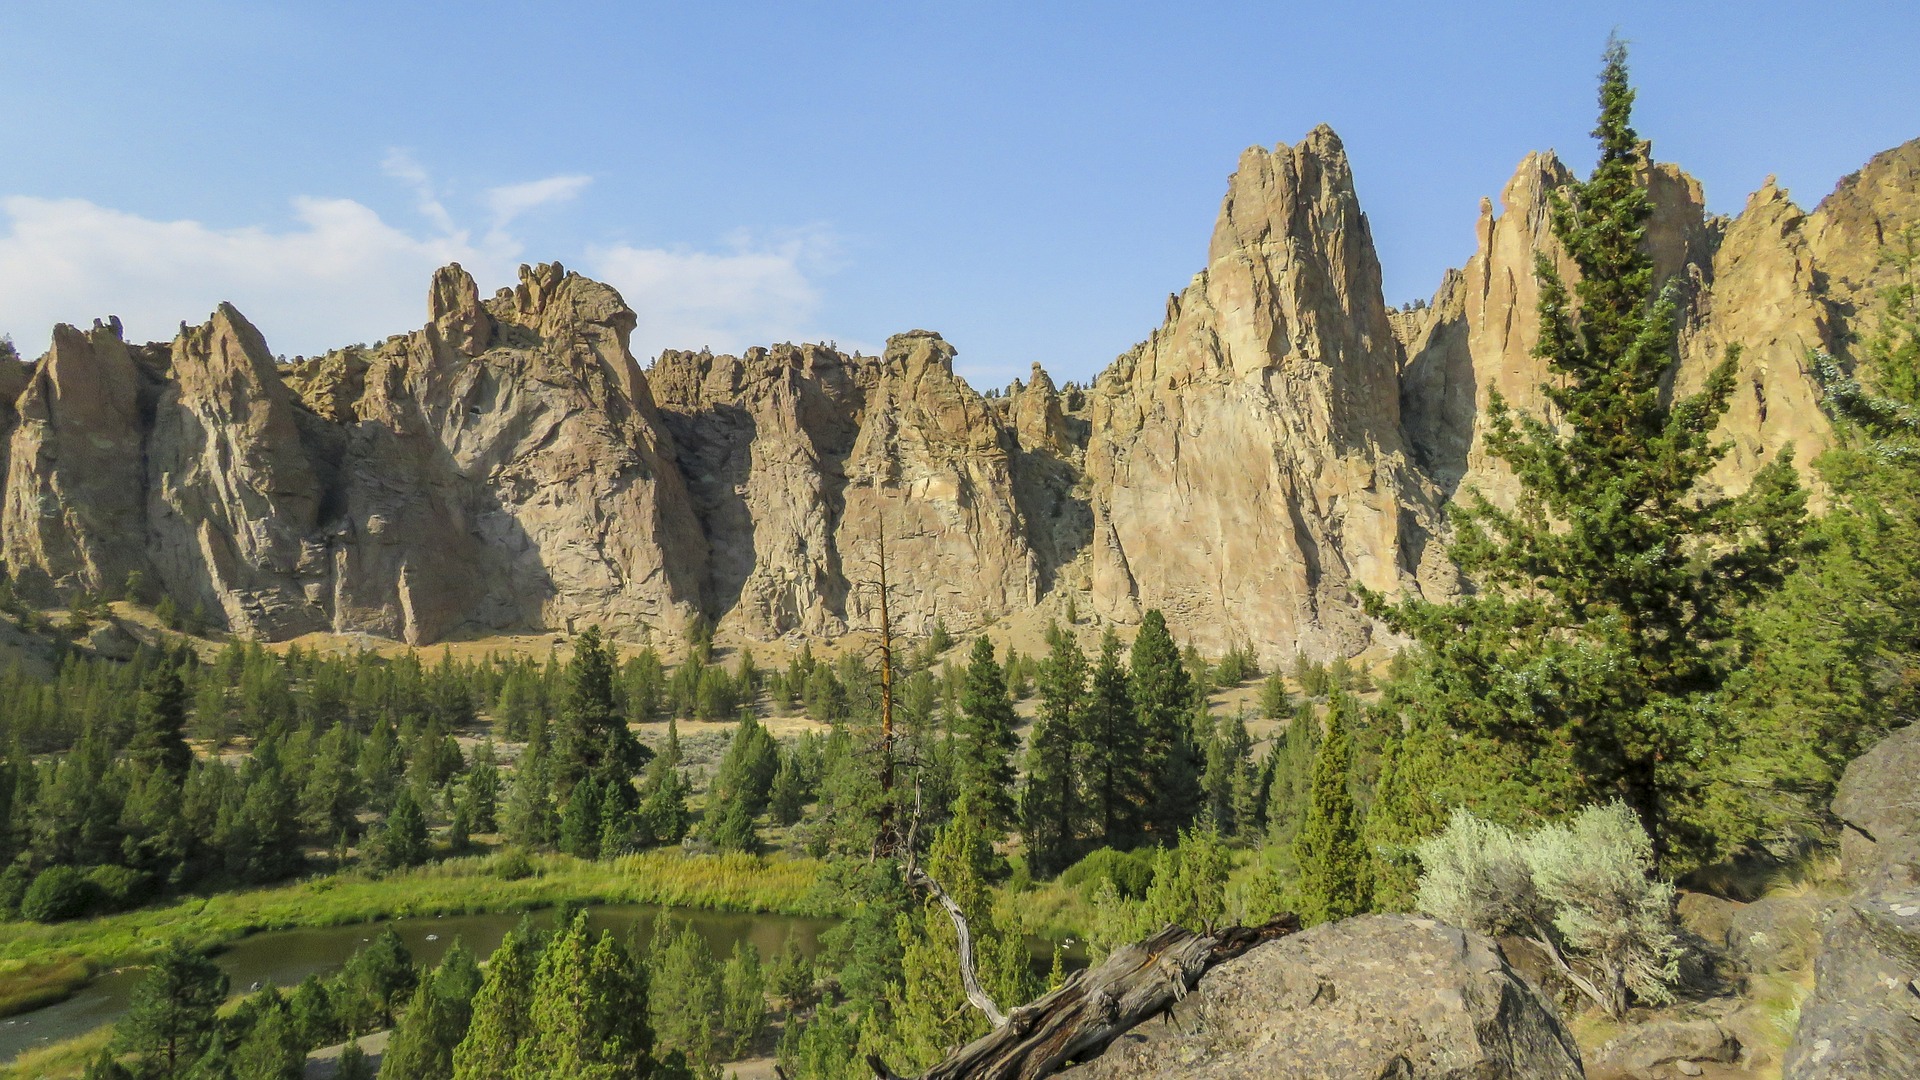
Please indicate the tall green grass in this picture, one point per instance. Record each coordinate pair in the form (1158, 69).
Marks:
(42, 964)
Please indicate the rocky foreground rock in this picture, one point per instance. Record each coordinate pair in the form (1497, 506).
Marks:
(1383, 997)
(1282, 438)
(1863, 1018)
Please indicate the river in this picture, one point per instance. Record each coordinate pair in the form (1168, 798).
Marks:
(284, 957)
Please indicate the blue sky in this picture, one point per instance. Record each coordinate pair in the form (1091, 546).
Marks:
(1029, 179)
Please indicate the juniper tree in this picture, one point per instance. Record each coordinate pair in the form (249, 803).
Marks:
(170, 1021)
(1332, 863)
(501, 1013)
(1594, 644)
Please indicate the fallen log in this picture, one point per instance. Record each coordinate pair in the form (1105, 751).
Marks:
(1081, 1018)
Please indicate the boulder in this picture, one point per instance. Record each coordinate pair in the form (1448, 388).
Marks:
(1776, 933)
(1863, 1018)
(1644, 1047)
(1878, 804)
(1706, 916)
(1376, 996)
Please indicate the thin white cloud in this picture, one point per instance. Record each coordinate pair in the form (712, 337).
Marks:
(401, 165)
(751, 293)
(337, 273)
(512, 200)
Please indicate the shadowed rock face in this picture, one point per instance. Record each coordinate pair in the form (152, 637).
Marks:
(1863, 1018)
(1281, 438)
(797, 458)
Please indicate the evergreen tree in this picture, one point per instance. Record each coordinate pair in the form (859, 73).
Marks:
(353, 1063)
(788, 798)
(270, 1050)
(422, 1044)
(1163, 700)
(403, 838)
(374, 984)
(743, 998)
(1115, 747)
(684, 1019)
(986, 741)
(580, 821)
(1332, 863)
(593, 739)
(1051, 809)
(160, 723)
(171, 1020)
(501, 1013)
(1595, 645)
(663, 817)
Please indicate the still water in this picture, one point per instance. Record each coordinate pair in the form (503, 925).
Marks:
(284, 957)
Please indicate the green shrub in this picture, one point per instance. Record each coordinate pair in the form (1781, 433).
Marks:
(1129, 872)
(13, 888)
(512, 865)
(117, 888)
(60, 892)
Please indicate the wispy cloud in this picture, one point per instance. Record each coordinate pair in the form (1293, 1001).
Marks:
(400, 165)
(752, 292)
(512, 200)
(337, 273)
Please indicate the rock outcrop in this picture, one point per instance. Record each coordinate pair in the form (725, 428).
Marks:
(1863, 1017)
(800, 458)
(529, 485)
(1386, 996)
(232, 496)
(1749, 283)
(1246, 462)
(75, 510)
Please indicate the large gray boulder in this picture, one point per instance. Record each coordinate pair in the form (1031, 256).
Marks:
(1380, 996)
(1863, 1019)
(1878, 802)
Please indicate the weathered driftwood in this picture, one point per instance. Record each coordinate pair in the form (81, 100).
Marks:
(969, 978)
(1093, 1008)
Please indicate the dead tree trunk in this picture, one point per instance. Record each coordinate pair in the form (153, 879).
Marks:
(1077, 1021)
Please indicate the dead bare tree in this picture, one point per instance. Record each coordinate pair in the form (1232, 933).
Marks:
(1093, 1008)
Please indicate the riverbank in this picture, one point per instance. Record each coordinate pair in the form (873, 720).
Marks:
(43, 964)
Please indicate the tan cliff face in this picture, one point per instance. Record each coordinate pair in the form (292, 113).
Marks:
(801, 459)
(1280, 440)
(1246, 461)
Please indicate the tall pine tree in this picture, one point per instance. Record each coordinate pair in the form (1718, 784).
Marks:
(986, 741)
(1116, 791)
(1594, 646)
(593, 739)
(1163, 701)
(1051, 809)
(160, 723)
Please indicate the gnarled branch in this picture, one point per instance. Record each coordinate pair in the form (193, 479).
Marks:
(1093, 1008)
(969, 977)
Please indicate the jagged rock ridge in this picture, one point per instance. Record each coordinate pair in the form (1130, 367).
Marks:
(1282, 438)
